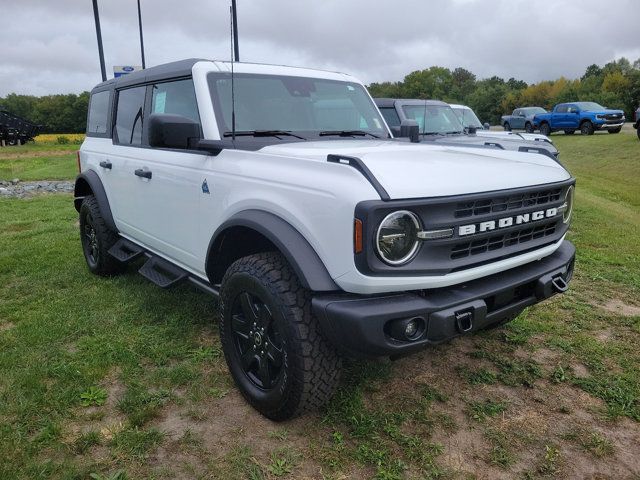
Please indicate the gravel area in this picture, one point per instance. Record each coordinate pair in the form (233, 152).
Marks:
(18, 189)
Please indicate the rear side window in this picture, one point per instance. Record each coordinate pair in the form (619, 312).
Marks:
(130, 116)
(98, 113)
(178, 98)
(390, 116)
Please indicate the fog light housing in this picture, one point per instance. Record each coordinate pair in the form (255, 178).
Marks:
(406, 329)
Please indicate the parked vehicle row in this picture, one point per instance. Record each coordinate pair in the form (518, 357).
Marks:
(438, 123)
(321, 234)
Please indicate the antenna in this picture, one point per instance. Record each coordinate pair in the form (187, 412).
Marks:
(234, 26)
(233, 97)
(141, 39)
(96, 17)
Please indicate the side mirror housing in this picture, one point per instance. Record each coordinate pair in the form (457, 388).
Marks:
(471, 130)
(167, 130)
(410, 129)
(487, 126)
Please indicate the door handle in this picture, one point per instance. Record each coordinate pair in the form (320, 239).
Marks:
(105, 164)
(140, 172)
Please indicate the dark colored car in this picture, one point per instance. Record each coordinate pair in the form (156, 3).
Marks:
(521, 119)
(636, 123)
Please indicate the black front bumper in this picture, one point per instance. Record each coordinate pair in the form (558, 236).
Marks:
(362, 325)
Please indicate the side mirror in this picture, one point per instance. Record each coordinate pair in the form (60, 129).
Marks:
(410, 129)
(167, 130)
(487, 126)
(471, 130)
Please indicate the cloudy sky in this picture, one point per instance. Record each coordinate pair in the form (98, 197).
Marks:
(49, 46)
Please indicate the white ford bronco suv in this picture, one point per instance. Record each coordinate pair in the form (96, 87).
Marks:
(280, 191)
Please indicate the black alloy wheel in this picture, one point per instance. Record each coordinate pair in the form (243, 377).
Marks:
(507, 127)
(586, 128)
(257, 340)
(528, 127)
(96, 239)
(90, 240)
(545, 129)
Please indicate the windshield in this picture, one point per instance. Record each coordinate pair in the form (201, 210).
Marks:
(590, 106)
(434, 119)
(468, 118)
(533, 110)
(305, 106)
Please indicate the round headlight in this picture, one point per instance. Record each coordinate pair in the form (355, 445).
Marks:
(397, 239)
(568, 201)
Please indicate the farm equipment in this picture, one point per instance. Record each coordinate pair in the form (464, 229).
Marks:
(15, 130)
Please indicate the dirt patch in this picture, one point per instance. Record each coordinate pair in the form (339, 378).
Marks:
(579, 370)
(6, 326)
(621, 308)
(36, 154)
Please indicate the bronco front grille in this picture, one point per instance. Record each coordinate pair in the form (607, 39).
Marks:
(488, 244)
(503, 204)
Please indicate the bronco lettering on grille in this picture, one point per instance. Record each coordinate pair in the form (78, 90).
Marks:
(506, 222)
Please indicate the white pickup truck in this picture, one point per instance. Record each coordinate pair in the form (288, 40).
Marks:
(280, 191)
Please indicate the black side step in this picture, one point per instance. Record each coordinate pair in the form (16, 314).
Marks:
(162, 273)
(125, 251)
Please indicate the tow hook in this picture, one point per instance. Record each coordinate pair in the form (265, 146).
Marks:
(464, 321)
(560, 284)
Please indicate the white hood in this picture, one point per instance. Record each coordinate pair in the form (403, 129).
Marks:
(409, 170)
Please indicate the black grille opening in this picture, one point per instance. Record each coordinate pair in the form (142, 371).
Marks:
(508, 297)
(517, 237)
(502, 204)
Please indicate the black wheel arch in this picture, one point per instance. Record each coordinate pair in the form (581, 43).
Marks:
(89, 183)
(255, 231)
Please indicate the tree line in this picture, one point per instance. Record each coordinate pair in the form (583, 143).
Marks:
(616, 85)
(56, 113)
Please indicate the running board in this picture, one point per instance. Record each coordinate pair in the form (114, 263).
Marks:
(162, 273)
(125, 251)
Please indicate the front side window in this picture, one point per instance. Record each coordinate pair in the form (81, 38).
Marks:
(391, 116)
(562, 109)
(434, 119)
(130, 116)
(468, 118)
(98, 113)
(177, 97)
(307, 106)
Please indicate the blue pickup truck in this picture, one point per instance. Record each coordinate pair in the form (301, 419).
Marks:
(588, 117)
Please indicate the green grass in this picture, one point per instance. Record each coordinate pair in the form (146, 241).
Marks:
(94, 369)
(39, 168)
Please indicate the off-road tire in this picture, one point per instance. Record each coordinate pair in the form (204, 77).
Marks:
(569, 132)
(507, 127)
(545, 129)
(94, 228)
(615, 130)
(528, 127)
(587, 128)
(310, 365)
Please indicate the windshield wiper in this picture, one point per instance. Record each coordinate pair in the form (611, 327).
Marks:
(347, 133)
(262, 133)
(457, 132)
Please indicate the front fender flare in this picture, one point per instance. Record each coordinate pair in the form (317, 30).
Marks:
(294, 247)
(89, 183)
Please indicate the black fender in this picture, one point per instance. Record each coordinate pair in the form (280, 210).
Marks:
(89, 183)
(294, 247)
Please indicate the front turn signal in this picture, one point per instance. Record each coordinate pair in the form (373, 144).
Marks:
(357, 236)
